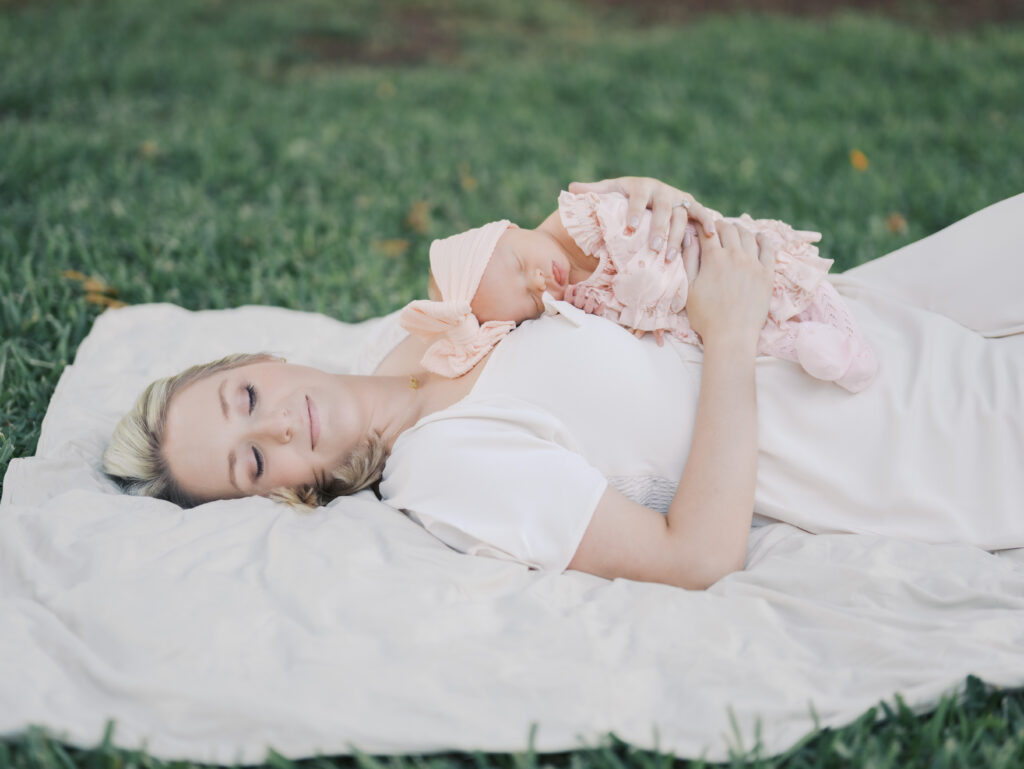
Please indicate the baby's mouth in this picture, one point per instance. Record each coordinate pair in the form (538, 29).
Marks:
(559, 274)
(559, 280)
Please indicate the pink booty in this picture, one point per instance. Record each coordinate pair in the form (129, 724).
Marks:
(823, 351)
(862, 369)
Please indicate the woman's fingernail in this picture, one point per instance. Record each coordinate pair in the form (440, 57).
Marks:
(687, 239)
(634, 222)
(672, 254)
(657, 242)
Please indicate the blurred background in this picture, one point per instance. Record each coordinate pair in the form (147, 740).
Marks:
(213, 153)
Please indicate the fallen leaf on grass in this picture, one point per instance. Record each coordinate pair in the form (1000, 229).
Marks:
(466, 179)
(896, 222)
(97, 286)
(859, 160)
(96, 291)
(391, 247)
(103, 300)
(418, 218)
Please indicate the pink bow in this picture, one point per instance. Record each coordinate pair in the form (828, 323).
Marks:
(459, 340)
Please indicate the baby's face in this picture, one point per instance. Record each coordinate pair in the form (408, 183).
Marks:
(524, 265)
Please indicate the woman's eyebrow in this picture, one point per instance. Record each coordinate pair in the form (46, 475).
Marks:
(231, 471)
(231, 455)
(223, 401)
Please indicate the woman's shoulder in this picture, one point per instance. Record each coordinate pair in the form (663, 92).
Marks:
(496, 473)
(389, 350)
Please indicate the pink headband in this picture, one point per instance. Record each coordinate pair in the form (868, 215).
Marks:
(459, 340)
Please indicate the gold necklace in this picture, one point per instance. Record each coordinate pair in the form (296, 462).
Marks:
(414, 383)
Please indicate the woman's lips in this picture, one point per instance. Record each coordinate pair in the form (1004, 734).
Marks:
(559, 274)
(314, 422)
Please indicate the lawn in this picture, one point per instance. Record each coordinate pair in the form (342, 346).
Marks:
(213, 153)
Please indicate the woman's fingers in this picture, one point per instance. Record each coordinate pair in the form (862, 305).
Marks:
(640, 196)
(704, 216)
(691, 256)
(729, 235)
(710, 243)
(639, 192)
(676, 238)
(605, 185)
(669, 207)
(668, 218)
(768, 252)
(748, 242)
(661, 217)
(736, 239)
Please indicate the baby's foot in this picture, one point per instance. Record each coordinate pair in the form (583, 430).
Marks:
(862, 369)
(823, 351)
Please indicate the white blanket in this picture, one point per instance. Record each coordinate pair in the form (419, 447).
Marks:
(212, 634)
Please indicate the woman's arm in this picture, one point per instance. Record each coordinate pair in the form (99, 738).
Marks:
(704, 535)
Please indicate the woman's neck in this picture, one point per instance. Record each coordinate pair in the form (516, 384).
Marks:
(396, 403)
(386, 405)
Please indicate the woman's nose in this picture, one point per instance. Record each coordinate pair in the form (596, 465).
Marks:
(277, 426)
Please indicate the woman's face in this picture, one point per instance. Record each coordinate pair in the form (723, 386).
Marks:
(253, 429)
(523, 266)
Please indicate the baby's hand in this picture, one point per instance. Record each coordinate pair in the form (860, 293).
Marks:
(582, 299)
(570, 294)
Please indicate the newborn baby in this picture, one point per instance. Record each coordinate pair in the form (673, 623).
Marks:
(486, 280)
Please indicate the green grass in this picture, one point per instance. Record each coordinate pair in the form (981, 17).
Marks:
(219, 152)
(984, 729)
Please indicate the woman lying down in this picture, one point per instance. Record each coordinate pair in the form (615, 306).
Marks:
(571, 441)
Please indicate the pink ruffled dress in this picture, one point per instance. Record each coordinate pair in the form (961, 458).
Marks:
(807, 323)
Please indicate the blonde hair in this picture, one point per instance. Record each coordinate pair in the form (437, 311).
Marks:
(135, 457)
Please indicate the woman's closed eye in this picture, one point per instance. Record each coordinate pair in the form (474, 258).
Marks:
(257, 455)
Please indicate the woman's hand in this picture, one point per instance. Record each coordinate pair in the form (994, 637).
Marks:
(670, 208)
(730, 297)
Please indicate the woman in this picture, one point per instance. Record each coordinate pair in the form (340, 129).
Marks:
(542, 454)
